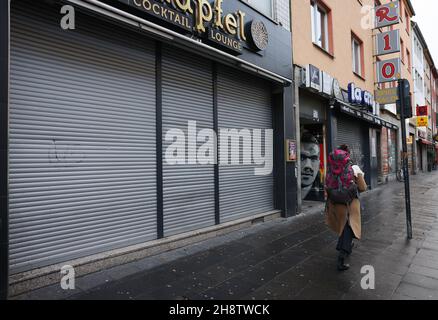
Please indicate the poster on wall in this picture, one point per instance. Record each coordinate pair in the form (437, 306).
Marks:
(291, 150)
(312, 163)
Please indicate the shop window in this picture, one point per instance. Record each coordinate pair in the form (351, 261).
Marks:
(321, 25)
(357, 54)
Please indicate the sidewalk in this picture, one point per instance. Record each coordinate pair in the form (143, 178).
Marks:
(289, 259)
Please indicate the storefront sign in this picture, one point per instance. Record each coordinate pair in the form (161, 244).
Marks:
(422, 121)
(223, 39)
(358, 96)
(337, 91)
(386, 96)
(207, 19)
(421, 134)
(327, 83)
(313, 77)
(367, 117)
(410, 140)
(388, 70)
(259, 35)
(169, 14)
(356, 113)
(387, 14)
(422, 111)
(387, 42)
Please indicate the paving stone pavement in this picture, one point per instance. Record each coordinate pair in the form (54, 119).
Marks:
(289, 259)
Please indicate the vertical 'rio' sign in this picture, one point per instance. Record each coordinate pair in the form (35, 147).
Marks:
(388, 42)
(387, 14)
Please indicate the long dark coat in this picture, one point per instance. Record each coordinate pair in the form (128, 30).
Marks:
(337, 215)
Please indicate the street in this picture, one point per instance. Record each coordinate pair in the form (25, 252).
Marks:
(290, 259)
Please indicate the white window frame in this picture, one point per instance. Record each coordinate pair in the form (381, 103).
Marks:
(357, 65)
(272, 15)
(319, 37)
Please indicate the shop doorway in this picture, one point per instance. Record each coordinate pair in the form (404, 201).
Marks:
(380, 178)
(312, 162)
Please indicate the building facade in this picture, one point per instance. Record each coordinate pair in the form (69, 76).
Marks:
(131, 122)
(424, 78)
(390, 140)
(335, 82)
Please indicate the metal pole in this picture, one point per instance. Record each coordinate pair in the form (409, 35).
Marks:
(405, 158)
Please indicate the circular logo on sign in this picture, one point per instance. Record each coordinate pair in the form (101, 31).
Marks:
(259, 35)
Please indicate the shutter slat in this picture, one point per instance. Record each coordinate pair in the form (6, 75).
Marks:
(82, 146)
(188, 190)
(244, 101)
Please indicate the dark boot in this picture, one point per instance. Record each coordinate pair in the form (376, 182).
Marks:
(342, 266)
(352, 247)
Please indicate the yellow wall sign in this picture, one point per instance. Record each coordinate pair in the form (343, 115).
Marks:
(422, 121)
(410, 140)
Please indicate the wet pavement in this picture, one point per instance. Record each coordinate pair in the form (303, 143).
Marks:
(290, 259)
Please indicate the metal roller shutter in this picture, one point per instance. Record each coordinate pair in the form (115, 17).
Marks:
(350, 133)
(82, 139)
(244, 102)
(188, 189)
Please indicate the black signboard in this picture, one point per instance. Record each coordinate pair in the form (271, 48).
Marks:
(160, 10)
(210, 21)
(366, 116)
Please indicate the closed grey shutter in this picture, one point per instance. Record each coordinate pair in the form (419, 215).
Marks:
(82, 140)
(349, 132)
(188, 188)
(244, 102)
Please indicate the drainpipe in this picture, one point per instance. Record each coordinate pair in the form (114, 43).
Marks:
(297, 76)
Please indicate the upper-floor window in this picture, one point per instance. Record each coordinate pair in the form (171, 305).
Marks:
(320, 25)
(357, 53)
(408, 22)
(402, 49)
(264, 6)
(418, 80)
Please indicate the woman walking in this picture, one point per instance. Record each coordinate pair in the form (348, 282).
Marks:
(343, 183)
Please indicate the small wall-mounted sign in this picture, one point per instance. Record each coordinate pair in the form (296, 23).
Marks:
(421, 134)
(388, 42)
(388, 70)
(327, 83)
(422, 111)
(422, 121)
(386, 96)
(337, 91)
(259, 35)
(313, 77)
(387, 14)
(291, 150)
